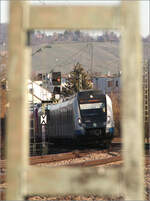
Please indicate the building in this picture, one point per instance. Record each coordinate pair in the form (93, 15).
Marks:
(37, 93)
(107, 84)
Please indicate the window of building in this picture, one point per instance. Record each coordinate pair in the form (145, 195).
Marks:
(110, 83)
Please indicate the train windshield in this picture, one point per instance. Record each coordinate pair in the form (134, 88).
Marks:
(87, 109)
(89, 106)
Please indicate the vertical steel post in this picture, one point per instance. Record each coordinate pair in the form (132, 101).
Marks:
(18, 115)
(132, 102)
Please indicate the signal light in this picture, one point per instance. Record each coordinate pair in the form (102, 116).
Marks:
(56, 78)
(58, 81)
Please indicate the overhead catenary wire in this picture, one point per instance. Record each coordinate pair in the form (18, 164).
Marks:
(70, 56)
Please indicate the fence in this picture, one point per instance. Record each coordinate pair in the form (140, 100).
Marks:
(23, 179)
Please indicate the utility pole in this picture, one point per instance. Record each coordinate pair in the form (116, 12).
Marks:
(91, 54)
(79, 77)
(80, 81)
(33, 122)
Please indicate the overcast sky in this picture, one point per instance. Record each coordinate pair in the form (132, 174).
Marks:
(144, 10)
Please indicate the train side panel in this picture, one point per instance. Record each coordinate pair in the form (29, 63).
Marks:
(110, 120)
(61, 120)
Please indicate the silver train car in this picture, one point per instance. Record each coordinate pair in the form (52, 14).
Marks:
(87, 115)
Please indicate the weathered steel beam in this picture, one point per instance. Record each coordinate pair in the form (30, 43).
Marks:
(18, 120)
(132, 101)
(52, 181)
(74, 17)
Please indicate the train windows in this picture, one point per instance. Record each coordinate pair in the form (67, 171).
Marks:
(93, 109)
(92, 106)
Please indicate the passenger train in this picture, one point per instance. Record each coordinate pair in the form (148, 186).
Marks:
(86, 115)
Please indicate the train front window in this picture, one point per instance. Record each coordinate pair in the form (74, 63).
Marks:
(89, 106)
(92, 108)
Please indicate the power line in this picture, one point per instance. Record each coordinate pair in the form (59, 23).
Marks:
(75, 54)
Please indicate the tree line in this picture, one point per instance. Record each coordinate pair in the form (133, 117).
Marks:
(38, 37)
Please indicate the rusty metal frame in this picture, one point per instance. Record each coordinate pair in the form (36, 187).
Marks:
(23, 179)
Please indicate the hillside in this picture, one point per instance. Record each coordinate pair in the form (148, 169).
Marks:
(62, 57)
(102, 57)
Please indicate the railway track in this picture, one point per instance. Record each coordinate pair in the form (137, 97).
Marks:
(112, 159)
(50, 158)
(54, 157)
(94, 163)
(59, 158)
(67, 154)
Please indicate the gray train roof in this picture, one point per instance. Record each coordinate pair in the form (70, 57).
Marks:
(63, 104)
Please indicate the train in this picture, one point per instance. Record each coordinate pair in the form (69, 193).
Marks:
(88, 115)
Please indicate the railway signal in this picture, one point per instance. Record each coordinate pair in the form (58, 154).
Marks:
(56, 81)
(43, 119)
(56, 78)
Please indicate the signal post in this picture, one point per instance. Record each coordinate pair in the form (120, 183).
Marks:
(56, 81)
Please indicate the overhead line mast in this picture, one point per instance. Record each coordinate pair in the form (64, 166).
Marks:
(91, 67)
(146, 98)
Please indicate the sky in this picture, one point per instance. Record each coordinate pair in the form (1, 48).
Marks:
(144, 10)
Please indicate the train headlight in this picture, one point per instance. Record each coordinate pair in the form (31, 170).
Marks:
(79, 121)
(94, 124)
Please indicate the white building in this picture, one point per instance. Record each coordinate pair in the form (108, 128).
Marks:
(37, 93)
